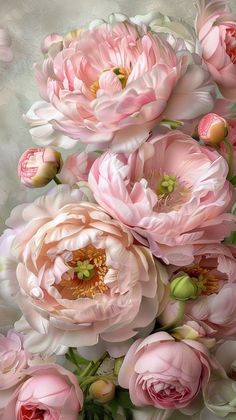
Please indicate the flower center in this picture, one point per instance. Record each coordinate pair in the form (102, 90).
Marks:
(206, 282)
(230, 43)
(166, 185)
(85, 276)
(122, 74)
(28, 412)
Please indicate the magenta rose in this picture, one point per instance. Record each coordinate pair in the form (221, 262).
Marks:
(108, 85)
(174, 201)
(164, 373)
(49, 392)
(216, 29)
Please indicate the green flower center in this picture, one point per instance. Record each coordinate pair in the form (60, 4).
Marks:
(84, 270)
(166, 185)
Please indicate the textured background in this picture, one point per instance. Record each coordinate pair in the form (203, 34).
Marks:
(28, 21)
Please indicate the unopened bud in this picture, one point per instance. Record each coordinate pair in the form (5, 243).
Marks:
(212, 129)
(184, 287)
(38, 166)
(102, 390)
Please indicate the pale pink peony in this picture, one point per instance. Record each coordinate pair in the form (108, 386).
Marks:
(13, 360)
(76, 167)
(163, 373)
(80, 274)
(38, 166)
(108, 85)
(216, 29)
(172, 191)
(215, 309)
(49, 392)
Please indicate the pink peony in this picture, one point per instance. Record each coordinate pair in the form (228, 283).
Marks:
(216, 28)
(214, 309)
(76, 167)
(49, 392)
(13, 360)
(80, 274)
(107, 86)
(163, 373)
(38, 166)
(172, 191)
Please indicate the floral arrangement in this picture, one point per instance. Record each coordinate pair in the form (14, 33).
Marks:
(122, 276)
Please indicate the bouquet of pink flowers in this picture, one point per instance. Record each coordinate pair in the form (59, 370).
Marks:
(122, 276)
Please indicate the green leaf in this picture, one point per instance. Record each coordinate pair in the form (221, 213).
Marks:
(231, 239)
(233, 180)
(123, 399)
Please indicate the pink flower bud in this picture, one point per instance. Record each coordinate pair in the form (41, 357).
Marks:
(102, 390)
(212, 129)
(38, 166)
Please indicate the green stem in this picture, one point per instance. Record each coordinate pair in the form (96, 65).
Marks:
(117, 366)
(92, 367)
(230, 153)
(57, 180)
(172, 123)
(90, 379)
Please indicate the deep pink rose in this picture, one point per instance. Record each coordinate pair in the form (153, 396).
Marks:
(161, 372)
(214, 309)
(49, 392)
(38, 166)
(216, 29)
(172, 191)
(108, 85)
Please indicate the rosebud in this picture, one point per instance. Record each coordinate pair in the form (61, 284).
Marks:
(184, 287)
(212, 129)
(102, 390)
(38, 166)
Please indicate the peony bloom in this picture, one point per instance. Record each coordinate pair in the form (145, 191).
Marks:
(38, 166)
(108, 85)
(220, 393)
(214, 271)
(174, 201)
(163, 373)
(76, 168)
(13, 360)
(216, 29)
(80, 274)
(49, 392)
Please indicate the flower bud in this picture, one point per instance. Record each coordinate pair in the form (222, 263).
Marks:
(184, 287)
(102, 390)
(212, 129)
(38, 166)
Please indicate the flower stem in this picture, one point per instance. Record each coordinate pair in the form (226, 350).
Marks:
(57, 180)
(172, 123)
(92, 367)
(230, 153)
(90, 379)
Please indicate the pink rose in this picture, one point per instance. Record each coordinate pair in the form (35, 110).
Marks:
(214, 269)
(49, 392)
(216, 29)
(76, 167)
(38, 166)
(81, 276)
(13, 360)
(108, 85)
(174, 201)
(163, 373)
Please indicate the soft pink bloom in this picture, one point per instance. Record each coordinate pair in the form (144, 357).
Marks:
(107, 86)
(38, 166)
(216, 28)
(172, 191)
(161, 372)
(76, 167)
(80, 274)
(6, 54)
(13, 360)
(215, 309)
(50, 392)
(212, 129)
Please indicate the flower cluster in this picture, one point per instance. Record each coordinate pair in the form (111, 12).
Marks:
(129, 261)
